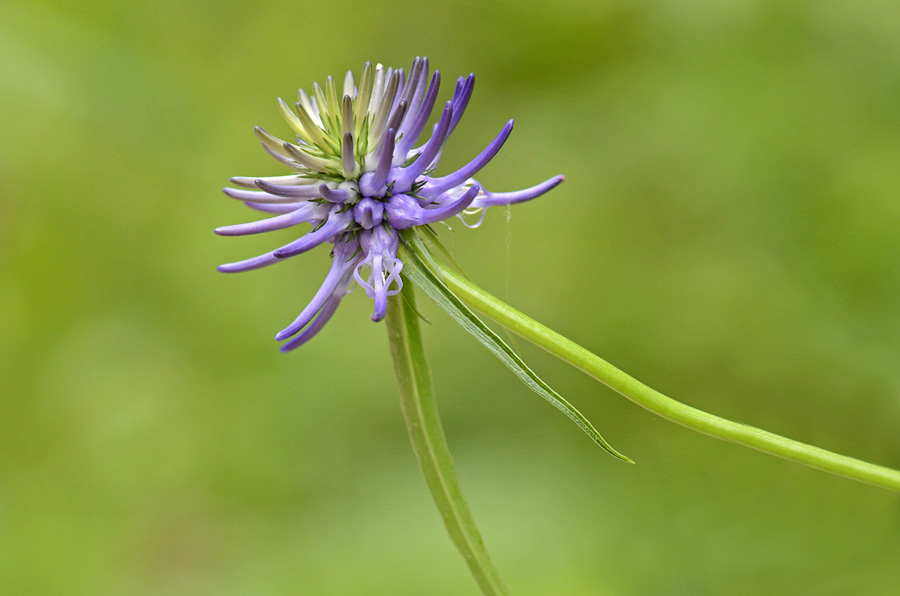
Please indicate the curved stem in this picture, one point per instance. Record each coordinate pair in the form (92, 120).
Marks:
(429, 443)
(660, 404)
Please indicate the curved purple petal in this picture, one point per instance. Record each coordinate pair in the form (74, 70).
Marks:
(340, 266)
(372, 184)
(257, 196)
(305, 213)
(335, 195)
(493, 199)
(366, 181)
(418, 124)
(450, 209)
(328, 309)
(249, 264)
(337, 222)
(461, 100)
(404, 212)
(436, 186)
(306, 191)
(410, 173)
(401, 85)
(275, 207)
(290, 180)
(414, 93)
(281, 158)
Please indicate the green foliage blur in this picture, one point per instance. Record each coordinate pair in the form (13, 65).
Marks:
(727, 233)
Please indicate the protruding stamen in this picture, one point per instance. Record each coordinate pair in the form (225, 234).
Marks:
(380, 248)
(380, 296)
(438, 185)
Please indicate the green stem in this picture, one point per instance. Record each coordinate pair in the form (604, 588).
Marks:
(660, 404)
(429, 443)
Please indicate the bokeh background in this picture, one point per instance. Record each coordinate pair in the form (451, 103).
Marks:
(727, 232)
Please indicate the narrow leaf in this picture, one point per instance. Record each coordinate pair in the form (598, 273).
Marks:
(417, 270)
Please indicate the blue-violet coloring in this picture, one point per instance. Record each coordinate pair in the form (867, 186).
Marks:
(357, 177)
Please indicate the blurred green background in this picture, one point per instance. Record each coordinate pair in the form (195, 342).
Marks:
(728, 233)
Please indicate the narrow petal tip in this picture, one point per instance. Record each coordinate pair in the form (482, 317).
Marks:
(242, 181)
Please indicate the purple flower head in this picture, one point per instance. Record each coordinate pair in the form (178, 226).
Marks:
(360, 174)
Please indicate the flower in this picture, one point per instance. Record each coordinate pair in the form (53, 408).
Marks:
(357, 179)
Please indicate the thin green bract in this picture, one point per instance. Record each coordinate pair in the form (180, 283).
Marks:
(420, 272)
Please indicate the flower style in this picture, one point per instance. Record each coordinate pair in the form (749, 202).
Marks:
(357, 179)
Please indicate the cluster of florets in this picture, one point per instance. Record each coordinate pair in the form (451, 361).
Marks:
(358, 179)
